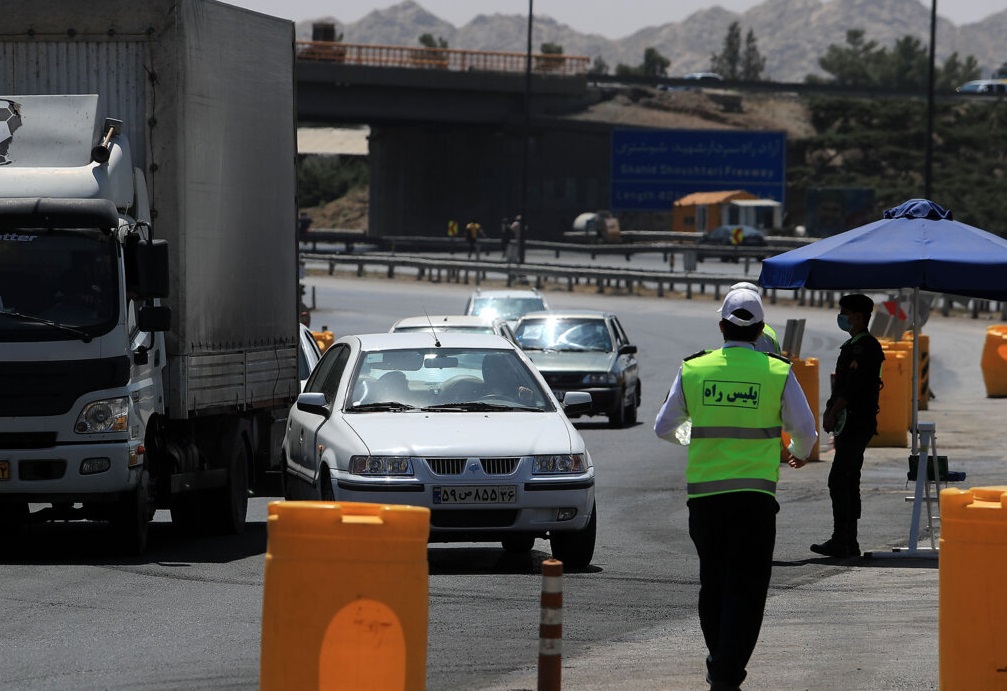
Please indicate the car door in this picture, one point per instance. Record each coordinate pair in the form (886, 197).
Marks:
(303, 427)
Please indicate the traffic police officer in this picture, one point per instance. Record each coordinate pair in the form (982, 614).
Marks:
(729, 406)
(851, 414)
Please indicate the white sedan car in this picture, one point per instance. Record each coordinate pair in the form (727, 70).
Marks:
(462, 424)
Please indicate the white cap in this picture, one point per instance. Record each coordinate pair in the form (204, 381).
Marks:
(744, 285)
(742, 307)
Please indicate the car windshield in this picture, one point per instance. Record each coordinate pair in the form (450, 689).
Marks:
(57, 284)
(445, 380)
(510, 308)
(564, 333)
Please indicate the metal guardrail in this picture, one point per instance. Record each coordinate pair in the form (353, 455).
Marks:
(667, 244)
(441, 270)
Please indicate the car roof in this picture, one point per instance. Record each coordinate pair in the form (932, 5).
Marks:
(506, 294)
(425, 339)
(451, 319)
(563, 314)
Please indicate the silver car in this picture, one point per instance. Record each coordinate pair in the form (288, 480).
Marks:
(585, 350)
(462, 424)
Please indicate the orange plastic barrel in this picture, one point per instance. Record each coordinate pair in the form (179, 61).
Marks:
(894, 404)
(973, 571)
(345, 597)
(994, 361)
(806, 372)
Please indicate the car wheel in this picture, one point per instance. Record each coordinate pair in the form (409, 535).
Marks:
(576, 548)
(630, 415)
(518, 544)
(617, 416)
(325, 485)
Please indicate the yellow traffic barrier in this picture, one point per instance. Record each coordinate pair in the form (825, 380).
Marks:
(994, 361)
(323, 338)
(345, 597)
(806, 372)
(894, 409)
(923, 395)
(973, 565)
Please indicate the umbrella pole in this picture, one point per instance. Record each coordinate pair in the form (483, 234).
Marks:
(915, 397)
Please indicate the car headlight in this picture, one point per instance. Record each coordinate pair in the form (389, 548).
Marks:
(381, 465)
(601, 378)
(109, 415)
(559, 464)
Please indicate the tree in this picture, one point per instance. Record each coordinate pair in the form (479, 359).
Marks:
(865, 64)
(752, 62)
(727, 63)
(551, 49)
(599, 66)
(428, 41)
(654, 64)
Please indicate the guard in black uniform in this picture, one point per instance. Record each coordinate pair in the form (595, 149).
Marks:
(851, 414)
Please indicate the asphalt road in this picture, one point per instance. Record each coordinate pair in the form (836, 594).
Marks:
(188, 614)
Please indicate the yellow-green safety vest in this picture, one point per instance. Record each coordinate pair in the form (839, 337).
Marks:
(734, 396)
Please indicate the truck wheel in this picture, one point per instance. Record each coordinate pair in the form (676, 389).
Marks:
(231, 501)
(131, 518)
(16, 517)
(576, 548)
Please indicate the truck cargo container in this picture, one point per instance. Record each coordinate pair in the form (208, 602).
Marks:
(148, 260)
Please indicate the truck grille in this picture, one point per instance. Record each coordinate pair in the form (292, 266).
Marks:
(50, 388)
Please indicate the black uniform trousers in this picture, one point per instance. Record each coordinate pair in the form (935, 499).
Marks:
(734, 534)
(844, 482)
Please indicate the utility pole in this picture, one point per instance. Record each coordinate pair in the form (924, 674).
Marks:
(929, 160)
(527, 142)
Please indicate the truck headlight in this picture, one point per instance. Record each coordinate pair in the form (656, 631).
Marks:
(381, 465)
(109, 415)
(559, 464)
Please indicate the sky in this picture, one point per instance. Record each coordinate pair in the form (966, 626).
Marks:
(610, 19)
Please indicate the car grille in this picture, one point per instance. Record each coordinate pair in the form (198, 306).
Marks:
(564, 380)
(456, 466)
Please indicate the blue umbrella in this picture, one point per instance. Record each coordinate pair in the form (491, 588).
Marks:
(917, 245)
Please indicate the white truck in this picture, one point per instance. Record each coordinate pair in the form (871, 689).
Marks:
(148, 261)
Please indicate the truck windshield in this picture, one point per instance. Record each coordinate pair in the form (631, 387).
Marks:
(68, 277)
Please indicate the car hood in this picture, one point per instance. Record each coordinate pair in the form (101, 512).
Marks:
(467, 434)
(571, 361)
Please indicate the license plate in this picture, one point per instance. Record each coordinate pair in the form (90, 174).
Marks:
(4, 470)
(504, 494)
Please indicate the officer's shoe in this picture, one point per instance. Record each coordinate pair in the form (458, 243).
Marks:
(835, 548)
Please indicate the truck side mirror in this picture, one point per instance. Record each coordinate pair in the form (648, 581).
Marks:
(151, 318)
(147, 268)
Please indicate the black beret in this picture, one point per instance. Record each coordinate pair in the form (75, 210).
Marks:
(857, 302)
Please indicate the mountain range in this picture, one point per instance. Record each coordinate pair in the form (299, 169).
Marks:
(792, 34)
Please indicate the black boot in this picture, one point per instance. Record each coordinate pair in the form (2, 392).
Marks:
(836, 548)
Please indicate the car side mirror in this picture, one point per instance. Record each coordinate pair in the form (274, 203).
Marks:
(576, 402)
(628, 349)
(313, 404)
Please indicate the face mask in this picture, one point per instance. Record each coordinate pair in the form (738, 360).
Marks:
(844, 322)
